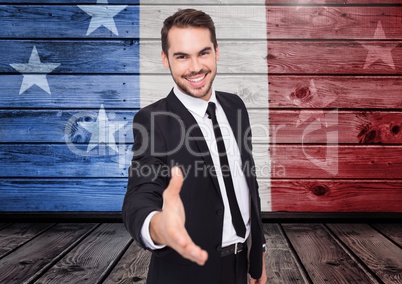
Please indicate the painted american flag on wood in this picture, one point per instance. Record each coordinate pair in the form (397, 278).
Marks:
(321, 80)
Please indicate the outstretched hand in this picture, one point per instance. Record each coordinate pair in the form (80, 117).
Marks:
(167, 226)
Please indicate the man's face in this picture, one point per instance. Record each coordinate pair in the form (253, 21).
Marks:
(192, 60)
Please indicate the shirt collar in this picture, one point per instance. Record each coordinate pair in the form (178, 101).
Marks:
(195, 105)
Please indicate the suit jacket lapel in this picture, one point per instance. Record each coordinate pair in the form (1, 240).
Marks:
(191, 125)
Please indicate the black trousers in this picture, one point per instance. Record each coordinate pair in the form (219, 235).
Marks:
(234, 268)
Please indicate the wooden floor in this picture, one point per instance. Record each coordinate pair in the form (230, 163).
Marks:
(105, 253)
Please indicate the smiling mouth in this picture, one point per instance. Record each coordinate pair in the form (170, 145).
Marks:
(198, 79)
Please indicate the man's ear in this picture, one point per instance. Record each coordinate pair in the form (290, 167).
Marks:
(165, 60)
(217, 53)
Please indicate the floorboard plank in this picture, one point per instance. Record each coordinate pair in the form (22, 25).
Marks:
(18, 234)
(38, 254)
(392, 231)
(281, 263)
(324, 260)
(378, 253)
(133, 267)
(3, 225)
(91, 259)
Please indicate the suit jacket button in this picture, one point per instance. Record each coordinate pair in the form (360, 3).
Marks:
(219, 212)
(219, 247)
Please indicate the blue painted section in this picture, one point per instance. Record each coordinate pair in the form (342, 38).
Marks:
(63, 195)
(64, 21)
(47, 130)
(74, 56)
(72, 92)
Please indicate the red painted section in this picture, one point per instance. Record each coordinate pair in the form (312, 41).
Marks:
(335, 119)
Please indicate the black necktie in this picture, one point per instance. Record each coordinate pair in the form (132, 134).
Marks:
(237, 219)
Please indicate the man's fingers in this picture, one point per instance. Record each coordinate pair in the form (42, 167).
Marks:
(183, 244)
(194, 253)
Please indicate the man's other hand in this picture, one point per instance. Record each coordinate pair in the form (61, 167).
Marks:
(167, 226)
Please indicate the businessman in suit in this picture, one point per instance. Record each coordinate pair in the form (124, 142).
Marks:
(192, 195)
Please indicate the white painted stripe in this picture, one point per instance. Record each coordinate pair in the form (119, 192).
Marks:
(241, 32)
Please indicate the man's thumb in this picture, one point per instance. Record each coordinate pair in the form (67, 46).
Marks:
(176, 181)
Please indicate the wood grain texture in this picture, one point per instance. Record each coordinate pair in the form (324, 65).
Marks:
(90, 260)
(53, 160)
(111, 2)
(250, 20)
(62, 195)
(391, 231)
(281, 262)
(66, 126)
(377, 252)
(324, 260)
(330, 2)
(71, 91)
(38, 254)
(345, 92)
(74, 56)
(119, 91)
(333, 57)
(352, 127)
(18, 234)
(61, 160)
(132, 267)
(114, 56)
(336, 195)
(123, 91)
(333, 22)
(4, 225)
(61, 126)
(312, 248)
(76, 194)
(63, 21)
(366, 162)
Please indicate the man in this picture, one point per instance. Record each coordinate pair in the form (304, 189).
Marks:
(201, 219)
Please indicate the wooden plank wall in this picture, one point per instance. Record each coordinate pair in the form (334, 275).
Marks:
(69, 79)
(327, 135)
(335, 99)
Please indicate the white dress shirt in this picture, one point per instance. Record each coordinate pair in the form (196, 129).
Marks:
(198, 107)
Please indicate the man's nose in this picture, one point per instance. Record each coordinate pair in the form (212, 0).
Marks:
(195, 65)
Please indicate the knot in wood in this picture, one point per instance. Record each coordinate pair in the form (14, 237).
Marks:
(301, 95)
(395, 129)
(319, 190)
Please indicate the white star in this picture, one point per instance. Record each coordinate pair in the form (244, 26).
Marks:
(34, 66)
(102, 15)
(312, 99)
(379, 52)
(102, 130)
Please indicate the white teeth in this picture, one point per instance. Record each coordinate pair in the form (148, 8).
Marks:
(196, 80)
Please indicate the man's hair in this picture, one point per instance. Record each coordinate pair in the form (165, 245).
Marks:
(187, 18)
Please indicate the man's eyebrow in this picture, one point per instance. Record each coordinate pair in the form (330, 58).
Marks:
(205, 49)
(185, 54)
(180, 54)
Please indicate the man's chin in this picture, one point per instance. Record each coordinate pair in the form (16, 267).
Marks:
(197, 93)
(200, 95)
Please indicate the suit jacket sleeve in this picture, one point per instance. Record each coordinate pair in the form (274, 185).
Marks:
(148, 175)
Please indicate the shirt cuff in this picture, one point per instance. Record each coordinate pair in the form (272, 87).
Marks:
(146, 236)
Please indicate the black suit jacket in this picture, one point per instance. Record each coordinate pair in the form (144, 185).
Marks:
(166, 134)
